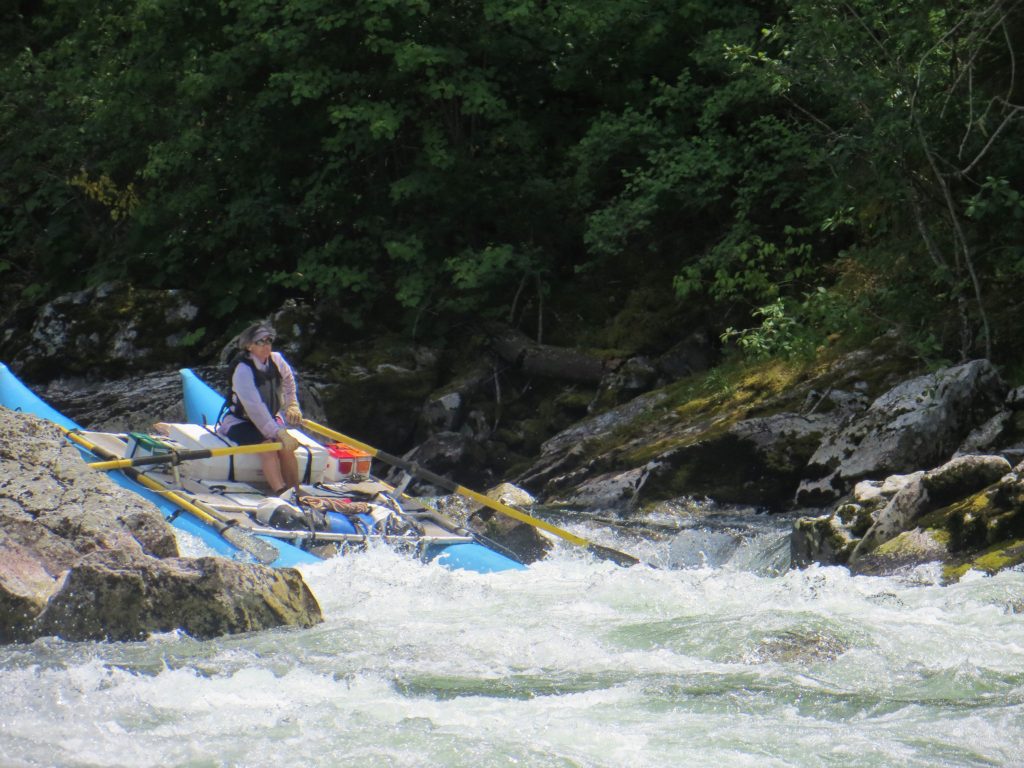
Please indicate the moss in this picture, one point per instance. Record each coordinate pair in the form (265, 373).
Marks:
(979, 520)
(991, 560)
(909, 545)
(940, 536)
(982, 534)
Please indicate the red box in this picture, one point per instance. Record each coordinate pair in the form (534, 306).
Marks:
(351, 462)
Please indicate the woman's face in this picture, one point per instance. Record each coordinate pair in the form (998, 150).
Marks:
(260, 349)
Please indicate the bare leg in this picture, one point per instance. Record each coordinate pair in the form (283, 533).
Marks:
(271, 466)
(289, 468)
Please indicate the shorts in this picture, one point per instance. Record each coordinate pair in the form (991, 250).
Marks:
(245, 433)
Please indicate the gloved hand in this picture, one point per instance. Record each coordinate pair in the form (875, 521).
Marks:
(293, 415)
(286, 439)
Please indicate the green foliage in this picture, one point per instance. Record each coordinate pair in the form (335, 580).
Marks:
(778, 334)
(917, 105)
(193, 337)
(837, 165)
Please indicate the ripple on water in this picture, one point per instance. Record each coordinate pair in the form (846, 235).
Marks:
(571, 663)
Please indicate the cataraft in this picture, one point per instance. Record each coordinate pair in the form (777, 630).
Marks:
(214, 489)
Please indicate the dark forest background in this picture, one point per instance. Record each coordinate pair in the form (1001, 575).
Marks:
(781, 173)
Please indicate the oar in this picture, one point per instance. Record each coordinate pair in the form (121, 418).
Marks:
(606, 553)
(175, 457)
(264, 552)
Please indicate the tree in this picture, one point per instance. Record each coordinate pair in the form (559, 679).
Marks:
(919, 105)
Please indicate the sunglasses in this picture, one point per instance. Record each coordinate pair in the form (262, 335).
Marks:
(266, 341)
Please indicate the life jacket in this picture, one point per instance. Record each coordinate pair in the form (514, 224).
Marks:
(268, 383)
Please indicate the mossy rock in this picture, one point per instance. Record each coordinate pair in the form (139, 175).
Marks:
(985, 531)
(820, 539)
(990, 560)
(981, 520)
(907, 549)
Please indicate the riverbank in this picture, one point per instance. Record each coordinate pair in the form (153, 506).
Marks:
(637, 431)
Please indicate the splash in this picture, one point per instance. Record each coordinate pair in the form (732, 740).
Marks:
(719, 656)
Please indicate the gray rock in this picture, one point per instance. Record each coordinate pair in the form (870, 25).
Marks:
(987, 435)
(610, 491)
(822, 539)
(83, 558)
(446, 409)
(963, 476)
(510, 494)
(111, 595)
(918, 423)
(520, 541)
(634, 377)
(909, 503)
(1015, 399)
(905, 550)
(868, 492)
(109, 330)
(25, 587)
(755, 461)
(601, 425)
(691, 355)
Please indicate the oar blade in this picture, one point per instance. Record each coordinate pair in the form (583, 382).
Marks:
(264, 552)
(613, 555)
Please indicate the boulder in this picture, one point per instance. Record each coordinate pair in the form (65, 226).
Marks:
(522, 541)
(918, 423)
(755, 461)
(634, 377)
(962, 476)
(83, 558)
(922, 492)
(25, 587)
(111, 595)
(525, 542)
(108, 330)
(614, 491)
(691, 355)
(821, 539)
(906, 505)
(987, 435)
(905, 550)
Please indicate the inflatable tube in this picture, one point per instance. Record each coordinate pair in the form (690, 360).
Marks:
(202, 403)
(474, 557)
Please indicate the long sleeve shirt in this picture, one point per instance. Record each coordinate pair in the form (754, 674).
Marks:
(244, 385)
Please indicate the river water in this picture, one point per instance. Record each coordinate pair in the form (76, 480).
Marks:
(723, 658)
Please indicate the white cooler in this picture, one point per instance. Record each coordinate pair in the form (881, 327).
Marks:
(310, 454)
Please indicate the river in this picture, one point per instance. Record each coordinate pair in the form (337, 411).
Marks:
(723, 658)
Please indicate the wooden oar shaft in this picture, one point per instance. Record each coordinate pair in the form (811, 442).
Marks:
(174, 457)
(443, 482)
(261, 550)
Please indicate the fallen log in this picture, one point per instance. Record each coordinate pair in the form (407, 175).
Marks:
(523, 353)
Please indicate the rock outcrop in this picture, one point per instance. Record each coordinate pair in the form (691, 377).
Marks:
(916, 424)
(968, 512)
(84, 559)
(111, 595)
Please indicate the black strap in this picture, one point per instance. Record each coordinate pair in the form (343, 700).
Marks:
(228, 443)
(307, 476)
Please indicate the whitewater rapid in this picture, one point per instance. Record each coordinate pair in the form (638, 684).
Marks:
(724, 658)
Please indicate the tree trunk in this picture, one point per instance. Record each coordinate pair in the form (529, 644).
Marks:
(523, 353)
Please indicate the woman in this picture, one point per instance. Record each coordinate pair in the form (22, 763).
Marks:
(262, 400)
